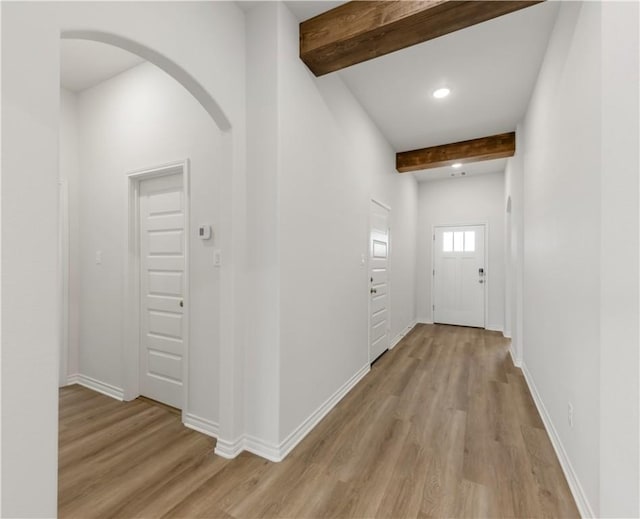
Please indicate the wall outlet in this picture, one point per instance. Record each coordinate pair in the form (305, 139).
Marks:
(570, 414)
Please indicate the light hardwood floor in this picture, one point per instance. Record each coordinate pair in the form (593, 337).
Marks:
(443, 426)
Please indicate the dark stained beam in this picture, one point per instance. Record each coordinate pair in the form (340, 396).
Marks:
(475, 150)
(361, 30)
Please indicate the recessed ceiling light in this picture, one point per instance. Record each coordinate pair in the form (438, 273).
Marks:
(441, 92)
(457, 165)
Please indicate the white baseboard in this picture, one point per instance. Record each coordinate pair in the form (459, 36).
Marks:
(287, 445)
(191, 421)
(277, 453)
(572, 478)
(97, 385)
(201, 425)
(507, 334)
(423, 322)
(402, 335)
(516, 362)
(495, 329)
(229, 450)
(262, 448)
(73, 379)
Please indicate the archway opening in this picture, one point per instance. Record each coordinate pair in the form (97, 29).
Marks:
(159, 60)
(147, 114)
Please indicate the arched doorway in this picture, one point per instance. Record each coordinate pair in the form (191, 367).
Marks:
(173, 69)
(204, 39)
(124, 141)
(132, 97)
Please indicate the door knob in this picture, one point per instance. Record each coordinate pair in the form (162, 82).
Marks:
(373, 291)
(181, 303)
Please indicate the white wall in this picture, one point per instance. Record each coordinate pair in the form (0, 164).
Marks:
(140, 119)
(29, 291)
(69, 174)
(581, 249)
(562, 236)
(312, 231)
(263, 256)
(619, 250)
(463, 200)
(333, 160)
(30, 128)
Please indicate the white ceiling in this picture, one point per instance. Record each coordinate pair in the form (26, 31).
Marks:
(467, 170)
(490, 68)
(305, 9)
(84, 63)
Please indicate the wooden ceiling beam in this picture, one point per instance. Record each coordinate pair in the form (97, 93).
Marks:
(475, 150)
(361, 30)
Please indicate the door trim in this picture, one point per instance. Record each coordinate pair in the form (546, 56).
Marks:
(487, 277)
(63, 281)
(131, 289)
(367, 273)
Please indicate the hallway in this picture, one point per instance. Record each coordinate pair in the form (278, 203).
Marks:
(443, 426)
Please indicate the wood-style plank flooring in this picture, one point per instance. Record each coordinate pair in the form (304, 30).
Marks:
(443, 426)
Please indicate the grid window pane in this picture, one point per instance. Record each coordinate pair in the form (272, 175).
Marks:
(469, 241)
(458, 240)
(447, 242)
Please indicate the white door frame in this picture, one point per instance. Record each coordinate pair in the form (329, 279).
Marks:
(487, 270)
(131, 306)
(63, 262)
(388, 208)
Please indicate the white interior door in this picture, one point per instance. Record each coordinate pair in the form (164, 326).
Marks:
(162, 284)
(378, 281)
(459, 275)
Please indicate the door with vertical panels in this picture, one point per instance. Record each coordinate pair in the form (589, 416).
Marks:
(459, 275)
(378, 281)
(162, 284)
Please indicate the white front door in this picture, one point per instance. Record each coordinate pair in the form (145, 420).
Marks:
(459, 275)
(162, 280)
(378, 281)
